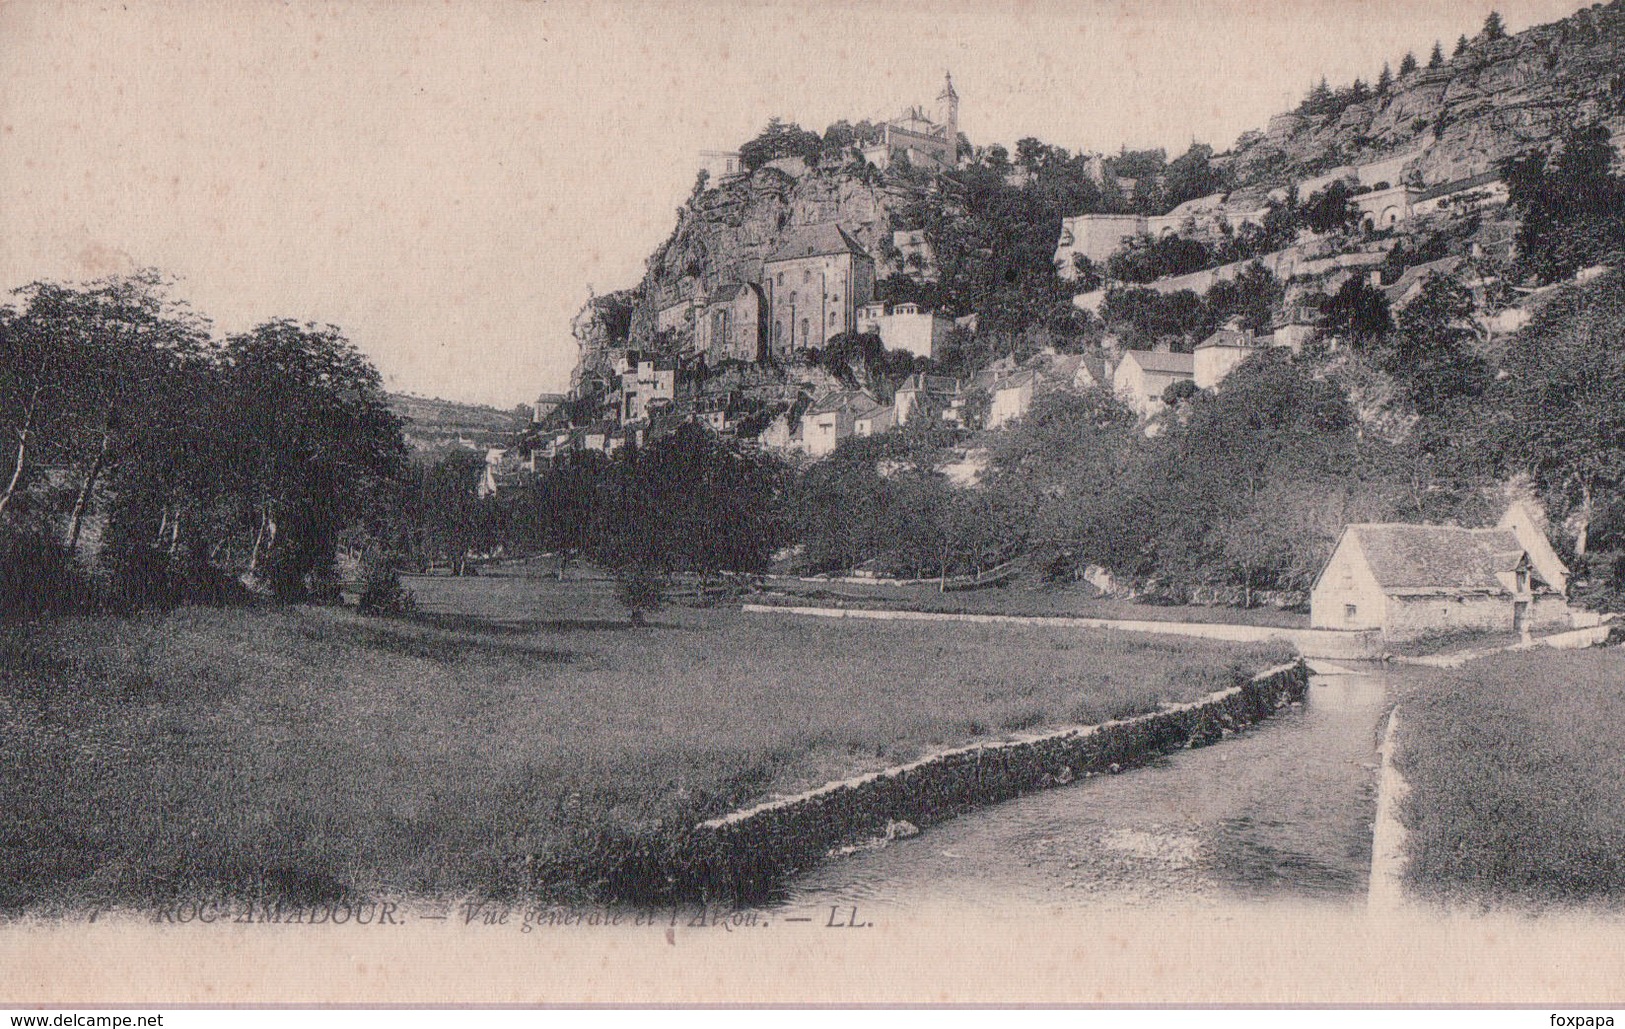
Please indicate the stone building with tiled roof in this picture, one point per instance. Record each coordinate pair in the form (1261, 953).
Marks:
(1142, 375)
(833, 418)
(1414, 581)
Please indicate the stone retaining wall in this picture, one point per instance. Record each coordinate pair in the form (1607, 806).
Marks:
(751, 850)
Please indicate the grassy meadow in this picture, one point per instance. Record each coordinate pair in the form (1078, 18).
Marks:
(1517, 769)
(507, 740)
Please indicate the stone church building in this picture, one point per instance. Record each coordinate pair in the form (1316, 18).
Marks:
(814, 282)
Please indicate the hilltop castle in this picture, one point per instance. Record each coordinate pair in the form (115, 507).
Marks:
(925, 142)
(932, 145)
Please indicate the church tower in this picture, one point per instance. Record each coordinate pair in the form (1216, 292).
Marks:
(948, 115)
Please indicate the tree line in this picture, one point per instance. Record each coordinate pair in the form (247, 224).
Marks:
(188, 452)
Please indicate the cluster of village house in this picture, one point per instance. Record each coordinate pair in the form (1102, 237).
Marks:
(1403, 580)
(819, 283)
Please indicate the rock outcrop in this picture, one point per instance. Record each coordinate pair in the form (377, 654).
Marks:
(723, 234)
(1494, 100)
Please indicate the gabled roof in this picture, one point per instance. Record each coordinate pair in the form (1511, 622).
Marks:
(1228, 337)
(816, 241)
(1064, 367)
(853, 401)
(1437, 558)
(1161, 361)
(730, 291)
(1016, 380)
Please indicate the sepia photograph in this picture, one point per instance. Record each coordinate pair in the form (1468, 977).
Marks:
(921, 503)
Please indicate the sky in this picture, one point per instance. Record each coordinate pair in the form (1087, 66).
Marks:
(449, 181)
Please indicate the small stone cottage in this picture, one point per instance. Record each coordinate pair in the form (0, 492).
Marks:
(1412, 581)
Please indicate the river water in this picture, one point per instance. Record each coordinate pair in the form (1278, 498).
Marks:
(1281, 810)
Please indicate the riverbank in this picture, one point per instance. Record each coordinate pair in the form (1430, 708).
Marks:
(1020, 599)
(1310, 643)
(1280, 813)
(517, 738)
(1515, 766)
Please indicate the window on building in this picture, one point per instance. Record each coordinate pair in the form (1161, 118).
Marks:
(806, 330)
(1350, 611)
(806, 275)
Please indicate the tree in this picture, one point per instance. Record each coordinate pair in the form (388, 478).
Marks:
(1407, 64)
(1086, 274)
(1433, 354)
(1191, 175)
(94, 379)
(640, 589)
(1436, 55)
(33, 399)
(1572, 206)
(1385, 81)
(1146, 258)
(977, 404)
(1331, 209)
(836, 509)
(1319, 99)
(1210, 493)
(1034, 154)
(685, 504)
(1461, 45)
(317, 439)
(1359, 313)
(1055, 472)
(555, 511)
(1138, 164)
(1180, 391)
(1562, 400)
(1143, 317)
(780, 139)
(1494, 28)
(1251, 296)
(452, 520)
(841, 352)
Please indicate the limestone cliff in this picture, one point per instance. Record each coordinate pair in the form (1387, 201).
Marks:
(724, 233)
(1494, 100)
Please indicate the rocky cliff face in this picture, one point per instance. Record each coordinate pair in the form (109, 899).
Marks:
(725, 233)
(1495, 100)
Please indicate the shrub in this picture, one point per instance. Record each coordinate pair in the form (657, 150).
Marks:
(38, 576)
(639, 588)
(381, 589)
(138, 575)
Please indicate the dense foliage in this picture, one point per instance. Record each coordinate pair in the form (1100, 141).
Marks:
(1572, 207)
(194, 456)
